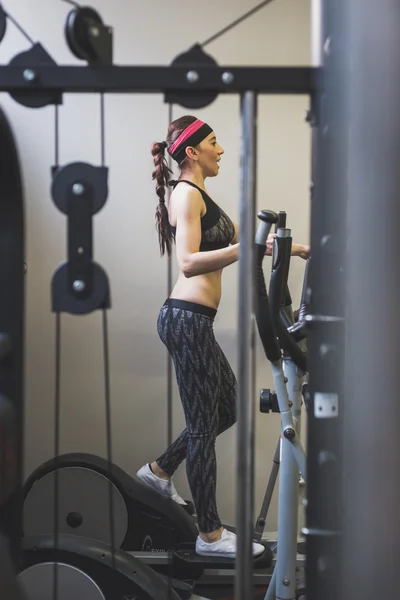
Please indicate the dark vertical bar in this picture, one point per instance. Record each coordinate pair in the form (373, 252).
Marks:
(12, 325)
(169, 290)
(326, 319)
(246, 343)
(170, 366)
(371, 532)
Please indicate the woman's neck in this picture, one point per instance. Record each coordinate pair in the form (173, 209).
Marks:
(193, 177)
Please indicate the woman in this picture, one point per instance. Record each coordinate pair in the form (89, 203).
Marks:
(206, 241)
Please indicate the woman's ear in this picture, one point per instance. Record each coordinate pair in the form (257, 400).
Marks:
(191, 153)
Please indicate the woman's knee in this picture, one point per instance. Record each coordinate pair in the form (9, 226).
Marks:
(202, 433)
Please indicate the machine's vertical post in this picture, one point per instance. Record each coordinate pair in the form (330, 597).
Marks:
(12, 313)
(246, 348)
(371, 492)
(326, 291)
(288, 495)
(170, 366)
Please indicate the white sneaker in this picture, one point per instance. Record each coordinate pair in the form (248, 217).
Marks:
(225, 547)
(163, 486)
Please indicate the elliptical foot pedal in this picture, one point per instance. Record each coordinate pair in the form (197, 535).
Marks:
(186, 560)
(184, 589)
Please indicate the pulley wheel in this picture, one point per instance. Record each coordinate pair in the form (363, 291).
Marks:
(192, 98)
(38, 583)
(82, 24)
(83, 506)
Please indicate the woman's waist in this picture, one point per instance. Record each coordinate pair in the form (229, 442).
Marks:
(200, 289)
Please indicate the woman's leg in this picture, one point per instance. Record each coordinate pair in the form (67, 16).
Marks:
(227, 394)
(189, 337)
(166, 464)
(207, 389)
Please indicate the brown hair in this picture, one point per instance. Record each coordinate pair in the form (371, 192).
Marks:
(161, 175)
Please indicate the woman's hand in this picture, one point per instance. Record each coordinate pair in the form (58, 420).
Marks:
(297, 249)
(270, 244)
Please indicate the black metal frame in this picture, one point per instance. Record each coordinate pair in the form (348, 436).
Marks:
(365, 55)
(12, 316)
(326, 321)
(157, 79)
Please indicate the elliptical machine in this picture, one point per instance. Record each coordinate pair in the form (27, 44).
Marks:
(146, 521)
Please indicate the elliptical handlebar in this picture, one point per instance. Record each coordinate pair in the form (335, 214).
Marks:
(271, 318)
(298, 330)
(305, 301)
(277, 294)
(263, 313)
(267, 218)
(281, 224)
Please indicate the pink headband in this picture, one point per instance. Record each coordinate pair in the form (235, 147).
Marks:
(191, 136)
(186, 133)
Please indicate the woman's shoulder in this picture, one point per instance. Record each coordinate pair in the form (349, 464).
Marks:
(187, 196)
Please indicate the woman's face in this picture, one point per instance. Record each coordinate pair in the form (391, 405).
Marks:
(209, 154)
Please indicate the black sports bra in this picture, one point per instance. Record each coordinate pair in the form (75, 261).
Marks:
(217, 229)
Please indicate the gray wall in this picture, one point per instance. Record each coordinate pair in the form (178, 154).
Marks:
(125, 239)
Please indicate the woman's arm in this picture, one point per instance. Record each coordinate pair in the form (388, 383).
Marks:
(235, 239)
(297, 249)
(301, 250)
(188, 237)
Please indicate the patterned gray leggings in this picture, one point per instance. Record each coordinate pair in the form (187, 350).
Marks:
(207, 388)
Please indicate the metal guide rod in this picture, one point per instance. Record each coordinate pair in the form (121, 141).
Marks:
(371, 484)
(316, 33)
(246, 345)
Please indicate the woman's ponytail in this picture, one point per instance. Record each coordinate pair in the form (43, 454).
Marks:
(161, 174)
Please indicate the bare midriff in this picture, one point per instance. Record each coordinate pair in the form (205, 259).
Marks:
(201, 289)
